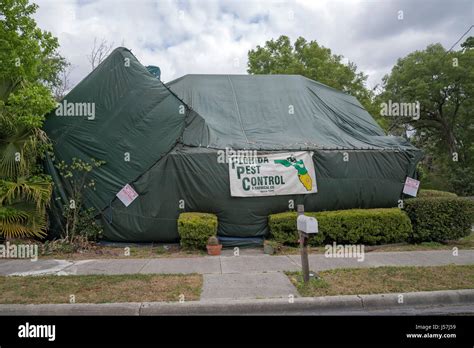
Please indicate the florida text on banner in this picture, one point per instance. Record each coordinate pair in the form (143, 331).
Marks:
(272, 174)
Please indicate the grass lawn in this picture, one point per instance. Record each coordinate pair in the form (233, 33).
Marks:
(96, 251)
(384, 280)
(466, 243)
(107, 252)
(100, 288)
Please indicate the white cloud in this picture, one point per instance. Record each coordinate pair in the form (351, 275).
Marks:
(211, 36)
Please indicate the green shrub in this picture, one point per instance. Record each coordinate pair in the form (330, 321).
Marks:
(367, 226)
(195, 229)
(471, 209)
(435, 193)
(283, 228)
(439, 218)
(88, 226)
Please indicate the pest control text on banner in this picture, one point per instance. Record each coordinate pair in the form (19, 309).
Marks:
(272, 174)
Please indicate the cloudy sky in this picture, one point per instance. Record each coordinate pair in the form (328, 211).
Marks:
(214, 36)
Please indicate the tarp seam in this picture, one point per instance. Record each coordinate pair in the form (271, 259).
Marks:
(237, 107)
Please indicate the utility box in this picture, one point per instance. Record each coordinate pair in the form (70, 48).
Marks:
(307, 224)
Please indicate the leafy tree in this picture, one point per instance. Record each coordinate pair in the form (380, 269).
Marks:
(313, 61)
(443, 83)
(29, 67)
(26, 51)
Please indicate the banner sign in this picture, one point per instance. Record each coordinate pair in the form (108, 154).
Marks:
(272, 174)
(127, 195)
(411, 187)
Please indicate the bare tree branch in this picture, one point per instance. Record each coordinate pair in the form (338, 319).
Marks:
(64, 86)
(99, 52)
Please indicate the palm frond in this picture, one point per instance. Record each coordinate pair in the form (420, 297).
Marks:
(37, 190)
(13, 161)
(20, 223)
(19, 147)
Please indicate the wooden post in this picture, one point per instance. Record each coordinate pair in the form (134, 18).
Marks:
(303, 248)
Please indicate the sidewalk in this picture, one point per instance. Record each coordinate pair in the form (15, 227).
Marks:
(229, 264)
(249, 276)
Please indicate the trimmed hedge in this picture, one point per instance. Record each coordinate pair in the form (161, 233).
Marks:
(471, 208)
(439, 218)
(194, 229)
(435, 193)
(367, 226)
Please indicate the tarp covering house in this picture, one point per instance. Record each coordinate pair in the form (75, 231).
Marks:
(166, 142)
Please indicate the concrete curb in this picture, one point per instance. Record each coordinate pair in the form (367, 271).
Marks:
(126, 308)
(326, 304)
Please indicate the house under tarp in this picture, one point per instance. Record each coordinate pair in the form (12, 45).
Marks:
(165, 141)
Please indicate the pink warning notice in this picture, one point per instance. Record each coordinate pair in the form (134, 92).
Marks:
(127, 195)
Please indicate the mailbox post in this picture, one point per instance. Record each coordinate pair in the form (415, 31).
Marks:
(306, 226)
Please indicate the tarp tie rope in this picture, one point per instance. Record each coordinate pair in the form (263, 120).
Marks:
(109, 217)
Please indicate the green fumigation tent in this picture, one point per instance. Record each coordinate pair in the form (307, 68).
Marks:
(164, 140)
